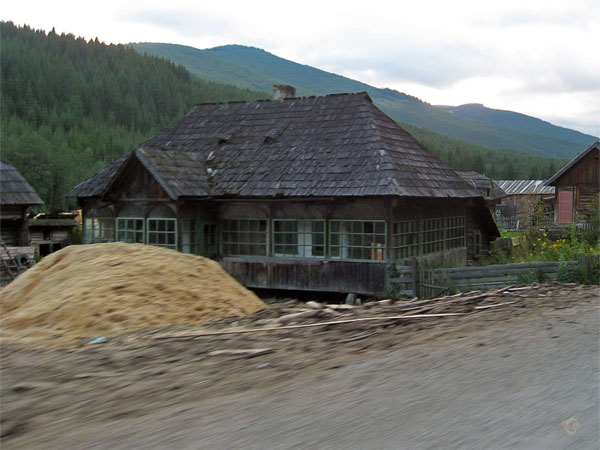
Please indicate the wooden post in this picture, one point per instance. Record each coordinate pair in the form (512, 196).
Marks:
(415, 271)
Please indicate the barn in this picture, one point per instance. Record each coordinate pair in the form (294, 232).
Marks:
(577, 187)
(314, 193)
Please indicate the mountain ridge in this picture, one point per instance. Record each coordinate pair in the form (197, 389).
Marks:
(258, 69)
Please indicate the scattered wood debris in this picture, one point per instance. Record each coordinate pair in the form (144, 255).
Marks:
(293, 315)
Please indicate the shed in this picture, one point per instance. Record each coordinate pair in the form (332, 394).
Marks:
(521, 195)
(16, 197)
(52, 232)
(316, 193)
(577, 187)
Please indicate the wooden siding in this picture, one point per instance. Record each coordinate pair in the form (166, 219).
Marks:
(584, 172)
(327, 276)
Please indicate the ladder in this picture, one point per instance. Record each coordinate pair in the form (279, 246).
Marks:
(11, 264)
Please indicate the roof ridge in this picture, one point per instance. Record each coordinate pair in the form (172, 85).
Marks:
(270, 100)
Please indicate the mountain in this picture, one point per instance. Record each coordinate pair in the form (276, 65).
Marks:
(70, 107)
(510, 119)
(257, 69)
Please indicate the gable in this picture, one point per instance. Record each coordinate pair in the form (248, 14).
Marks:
(135, 182)
(583, 171)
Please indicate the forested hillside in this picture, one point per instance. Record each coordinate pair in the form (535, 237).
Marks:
(496, 164)
(258, 69)
(69, 107)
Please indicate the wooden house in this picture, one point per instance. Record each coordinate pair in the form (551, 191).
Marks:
(317, 193)
(577, 187)
(16, 197)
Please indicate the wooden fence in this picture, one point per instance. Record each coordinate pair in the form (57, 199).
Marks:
(430, 283)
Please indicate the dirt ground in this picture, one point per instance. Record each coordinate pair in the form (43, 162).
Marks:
(53, 396)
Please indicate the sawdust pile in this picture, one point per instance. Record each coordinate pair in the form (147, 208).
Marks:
(102, 289)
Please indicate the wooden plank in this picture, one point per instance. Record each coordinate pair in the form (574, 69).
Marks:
(404, 279)
(309, 325)
(534, 264)
(242, 352)
(511, 271)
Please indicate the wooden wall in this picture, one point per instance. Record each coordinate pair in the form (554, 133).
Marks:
(13, 225)
(583, 179)
(311, 275)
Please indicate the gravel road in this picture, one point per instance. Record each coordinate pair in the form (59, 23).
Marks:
(527, 381)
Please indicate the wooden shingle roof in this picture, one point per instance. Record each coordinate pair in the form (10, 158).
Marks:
(14, 189)
(337, 145)
(488, 188)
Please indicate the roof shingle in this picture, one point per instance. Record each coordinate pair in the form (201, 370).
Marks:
(14, 189)
(337, 145)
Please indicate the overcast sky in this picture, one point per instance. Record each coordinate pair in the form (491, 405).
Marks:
(537, 57)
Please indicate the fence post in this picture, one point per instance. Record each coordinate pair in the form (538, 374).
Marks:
(415, 271)
(585, 264)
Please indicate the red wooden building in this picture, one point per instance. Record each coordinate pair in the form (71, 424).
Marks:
(577, 187)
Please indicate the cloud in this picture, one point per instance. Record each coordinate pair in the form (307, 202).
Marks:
(189, 24)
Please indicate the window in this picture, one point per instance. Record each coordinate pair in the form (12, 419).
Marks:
(162, 232)
(199, 237)
(190, 238)
(299, 238)
(433, 235)
(357, 239)
(455, 232)
(414, 238)
(405, 239)
(130, 230)
(244, 237)
(98, 229)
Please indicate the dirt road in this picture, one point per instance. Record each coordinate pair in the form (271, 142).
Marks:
(520, 376)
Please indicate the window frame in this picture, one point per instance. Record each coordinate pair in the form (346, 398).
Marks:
(406, 243)
(160, 233)
(97, 231)
(119, 230)
(299, 238)
(226, 243)
(350, 250)
(456, 240)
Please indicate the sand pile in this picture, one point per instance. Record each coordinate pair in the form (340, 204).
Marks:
(102, 289)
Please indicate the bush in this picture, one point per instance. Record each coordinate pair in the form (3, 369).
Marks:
(582, 273)
(532, 276)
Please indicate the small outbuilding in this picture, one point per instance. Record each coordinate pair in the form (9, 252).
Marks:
(577, 187)
(317, 193)
(522, 199)
(16, 197)
(52, 232)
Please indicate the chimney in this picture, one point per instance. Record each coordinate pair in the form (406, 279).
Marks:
(281, 91)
